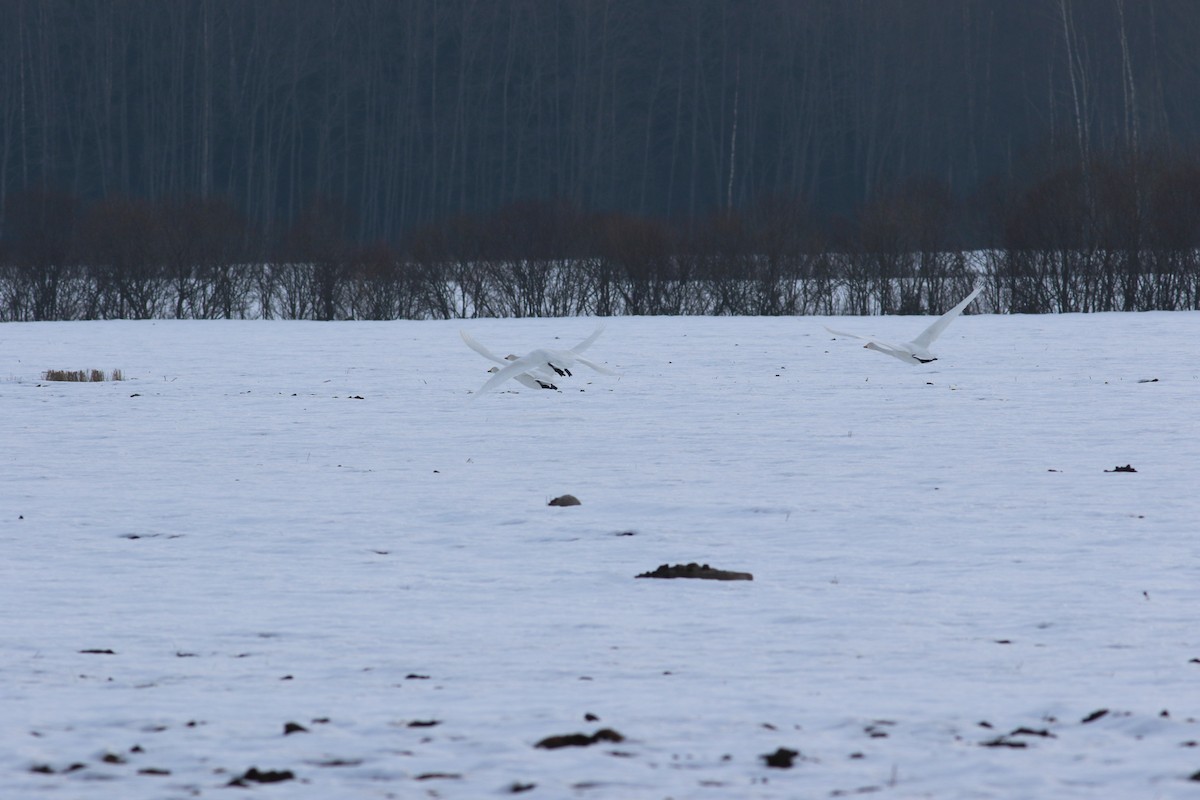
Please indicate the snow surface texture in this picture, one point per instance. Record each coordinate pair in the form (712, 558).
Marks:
(276, 522)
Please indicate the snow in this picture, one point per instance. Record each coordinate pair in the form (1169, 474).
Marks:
(940, 559)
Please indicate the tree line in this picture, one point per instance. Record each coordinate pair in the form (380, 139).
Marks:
(412, 112)
(1119, 232)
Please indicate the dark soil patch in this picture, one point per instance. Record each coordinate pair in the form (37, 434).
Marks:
(1004, 741)
(783, 758)
(694, 570)
(255, 775)
(46, 769)
(579, 739)
(337, 762)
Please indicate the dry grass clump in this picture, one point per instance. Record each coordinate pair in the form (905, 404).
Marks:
(82, 375)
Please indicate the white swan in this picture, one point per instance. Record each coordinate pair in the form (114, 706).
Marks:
(916, 351)
(541, 375)
(542, 379)
(527, 379)
(560, 361)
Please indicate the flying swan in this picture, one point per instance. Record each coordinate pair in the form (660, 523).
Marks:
(527, 379)
(539, 369)
(916, 351)
(537, 379)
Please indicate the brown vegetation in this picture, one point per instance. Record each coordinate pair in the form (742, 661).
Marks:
(82, 375)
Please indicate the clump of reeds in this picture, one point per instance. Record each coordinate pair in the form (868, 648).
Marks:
(82, 375)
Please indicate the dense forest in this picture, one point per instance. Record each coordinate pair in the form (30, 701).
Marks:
(389, 158)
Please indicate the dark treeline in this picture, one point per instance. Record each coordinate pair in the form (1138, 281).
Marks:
(1116, 234)
(375, 158)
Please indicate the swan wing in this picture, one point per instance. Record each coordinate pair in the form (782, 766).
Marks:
(880, 345)
(478, 348)
(843, 333)
(588, 362)
(518, 367)
(930, 334)
(586, 343)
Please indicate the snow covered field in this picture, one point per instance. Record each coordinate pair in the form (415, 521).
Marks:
(314, 523)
